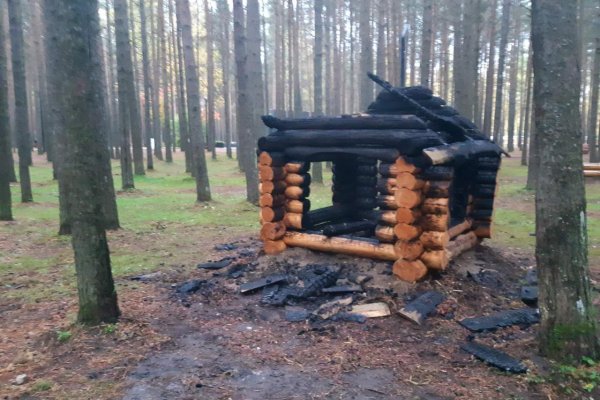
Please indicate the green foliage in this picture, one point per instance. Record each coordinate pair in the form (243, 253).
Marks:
(63, 336)
(41, 386)
(109, 329)
(585, 377)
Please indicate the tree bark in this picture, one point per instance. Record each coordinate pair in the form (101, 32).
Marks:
(366, 55)
(489, 79)
(426, 37)
(210, 82)
(593, 112)
(77, 82)
(513, 80)
(568, 328)
(184, 20)
(166, 130)
(20, 94)
(317, 168)
(225, 23)
(5, 145)
(498, 126)
(147, 87)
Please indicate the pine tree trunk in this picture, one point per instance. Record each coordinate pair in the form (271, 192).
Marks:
(225, 23)
(20, 94)
(593, 112)
(147, 87)
(77, 84)
(210, 82)
(184, 21)
(155, 86)
(568, 329)
(296, 63)
(512, 94)
(317, 167)
(114, 127)
(426, 36)
(498, 126)
(184, 130)
(527, 122)
(244, 108)
(254, 70)
(5, 145)
(166, 130)
(489, 80)
(366, 55)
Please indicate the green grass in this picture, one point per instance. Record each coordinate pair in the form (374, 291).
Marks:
(163, 224)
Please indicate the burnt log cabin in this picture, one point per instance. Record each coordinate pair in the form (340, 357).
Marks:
(413, 182)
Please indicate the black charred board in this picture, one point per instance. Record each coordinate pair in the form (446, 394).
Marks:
(262, 282)
(494, 357)
(521, 316)
(418, 309)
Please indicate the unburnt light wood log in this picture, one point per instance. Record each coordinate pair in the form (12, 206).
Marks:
(297, 167)
(386, 202)
(298, 206)
(328, 153)
(409, 250)
(298, 179)
(434, 222)
(406, 231)
(272, 159)
(461, 152)
(272, 247)
(459, 228)
(591, 166)
(409, 181)
(408, 215)
(435, 206)
(410, 141)
(296, 192)
(402, 164)
(435, 259)
(461, 244)
(267, 173)
(293, 220)
(434, 240)
(591, 173)
(346, 122)
(409, 271)
(341, 245)
(272, 231)
(385, 234)
(273, 187)
(344, 228)
(269, 200)
(437, 173)
(407, 198)
(437, 188)
(483, 230)
(269, 214)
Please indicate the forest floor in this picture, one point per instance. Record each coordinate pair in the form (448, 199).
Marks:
(218, 344)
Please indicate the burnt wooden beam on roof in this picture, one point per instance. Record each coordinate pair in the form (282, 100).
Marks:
(346, 122)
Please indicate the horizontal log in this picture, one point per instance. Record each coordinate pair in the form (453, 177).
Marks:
(402, 164)
(366, 161)
(459, 229)
(409, 181)
(365, 203)
(435, 259)
(387, 218)
(270, 200)
(298, 179)
(297, 167)
(482, 215)
(298, 206)
(386, 202)
(344, 228)
(407, 231)
(489, 163)
(272, 231)
(461, 244)
(387, 170)
(327, 214)
(437, 173)
(365, 191)
(407, 198)
(435, 206)
(410, 141)
(434, 240)
(296, 192)
(385, 234)
(271, 159)
(483, 204)
(591, 173)
(409, 271)
(341, 245)
(294, 220)
(461, 152)
(366, 180)
(273, 247)
(343, 196)
(437, 188)
(386, 185)
(434, 222)
(366, 170)
(483, 230)
(488, 177)
(269, 214)
(408, 249)
(306, 153)
(484, 191)
(267, 173)
(273, 187)
(591, 166)
(346, 122)
(407, 215)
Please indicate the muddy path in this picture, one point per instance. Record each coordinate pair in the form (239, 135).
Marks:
(228, 346)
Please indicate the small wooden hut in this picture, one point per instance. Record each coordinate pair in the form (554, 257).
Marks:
(413, 182)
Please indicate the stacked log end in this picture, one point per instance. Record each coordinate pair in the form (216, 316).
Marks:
(481, 208)
(408, 196)
(272, 201)
(297, 190)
